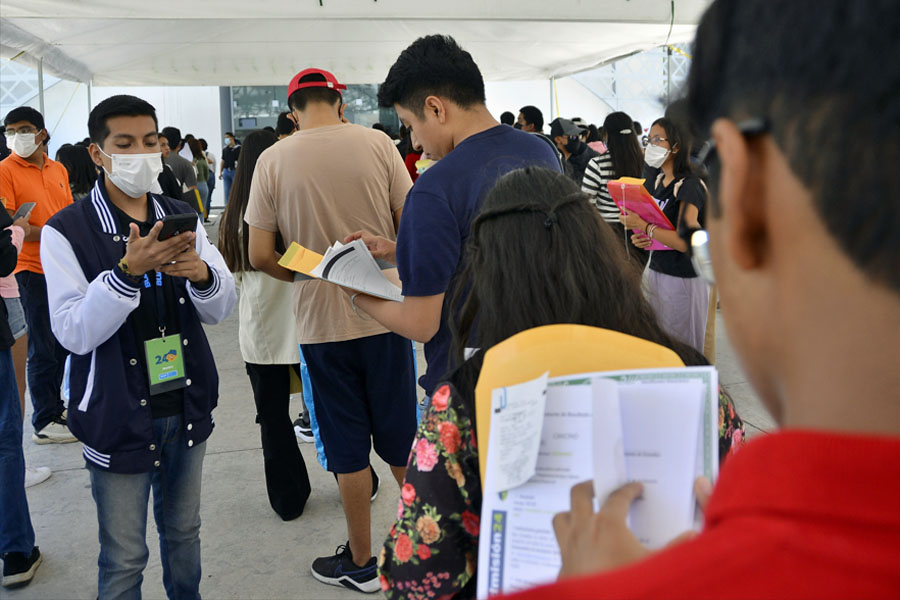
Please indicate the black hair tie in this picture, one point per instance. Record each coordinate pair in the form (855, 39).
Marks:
(550, 220)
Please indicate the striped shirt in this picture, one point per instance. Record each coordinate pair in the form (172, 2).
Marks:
(598, 173)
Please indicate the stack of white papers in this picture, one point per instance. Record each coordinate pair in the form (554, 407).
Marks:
(656, 426)
(349, 265)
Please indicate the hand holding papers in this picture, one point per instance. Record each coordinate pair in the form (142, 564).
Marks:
(349, 265)
(656, 426)
(630, 194)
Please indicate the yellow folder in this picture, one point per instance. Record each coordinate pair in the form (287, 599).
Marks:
(300, 259)
(561, 350)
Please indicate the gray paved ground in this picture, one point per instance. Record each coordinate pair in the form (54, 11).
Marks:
(248, 552)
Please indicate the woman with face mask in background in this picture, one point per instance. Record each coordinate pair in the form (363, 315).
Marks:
(679, 297)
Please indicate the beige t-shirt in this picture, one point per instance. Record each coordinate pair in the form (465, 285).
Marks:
(316, 187)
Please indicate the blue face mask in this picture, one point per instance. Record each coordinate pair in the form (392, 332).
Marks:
(227, 141)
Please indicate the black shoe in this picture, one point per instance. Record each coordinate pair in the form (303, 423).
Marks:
(342, 571)
(303, 429)
(375, 483)
(19, 568)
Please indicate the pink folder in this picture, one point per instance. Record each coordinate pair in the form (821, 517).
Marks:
(629, 193)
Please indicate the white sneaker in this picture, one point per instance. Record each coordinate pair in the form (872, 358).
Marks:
(36, 475)
(54, 433)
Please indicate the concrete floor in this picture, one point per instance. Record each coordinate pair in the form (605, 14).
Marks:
(248, 552)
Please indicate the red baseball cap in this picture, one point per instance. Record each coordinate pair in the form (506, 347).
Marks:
(330, 81)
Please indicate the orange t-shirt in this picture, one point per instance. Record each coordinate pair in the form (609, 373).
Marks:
(21, 182)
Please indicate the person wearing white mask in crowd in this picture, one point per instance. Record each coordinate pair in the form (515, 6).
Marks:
(130, 308)
(679, 297)
(29, 175)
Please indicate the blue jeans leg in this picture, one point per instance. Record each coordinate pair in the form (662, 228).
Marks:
(16, 532)
(46, 358)
(176, 507)
(122, 514)
(228, 178)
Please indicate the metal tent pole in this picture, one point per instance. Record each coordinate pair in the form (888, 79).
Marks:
(41, 84)
(90, 106)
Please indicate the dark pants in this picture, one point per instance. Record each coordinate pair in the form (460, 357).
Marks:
(287, 481)
(46, 358)
(16, 532)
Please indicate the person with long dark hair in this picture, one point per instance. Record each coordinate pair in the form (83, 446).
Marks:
(269, 348)
(679, 296)
(623, 158)
(201, 169)
(81, 169)
(533, 221)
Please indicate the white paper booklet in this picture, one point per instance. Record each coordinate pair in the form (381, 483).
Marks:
(657, 426)
(352, 265)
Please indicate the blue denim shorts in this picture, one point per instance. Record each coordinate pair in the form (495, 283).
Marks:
(16, 316)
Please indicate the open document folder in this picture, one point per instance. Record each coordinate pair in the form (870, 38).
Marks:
(630, 194)
(656, 426)
(349, 265)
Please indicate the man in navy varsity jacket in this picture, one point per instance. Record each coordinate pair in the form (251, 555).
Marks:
(143, 382)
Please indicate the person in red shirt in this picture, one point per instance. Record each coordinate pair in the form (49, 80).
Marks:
(29, 175)
(804, 241)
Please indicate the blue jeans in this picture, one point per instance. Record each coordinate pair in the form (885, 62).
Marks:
(228, 178)
(16, 532)
(46, 358)
(211, 185)
(122, 515)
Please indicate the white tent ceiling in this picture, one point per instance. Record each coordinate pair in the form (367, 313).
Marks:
(264, 42)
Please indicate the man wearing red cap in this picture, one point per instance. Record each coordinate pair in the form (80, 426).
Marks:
(363, 375)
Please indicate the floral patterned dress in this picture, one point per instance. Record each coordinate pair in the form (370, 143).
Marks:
(432, 549)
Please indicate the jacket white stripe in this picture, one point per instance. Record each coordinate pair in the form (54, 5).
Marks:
(95, 457)
(89, 387)
(160, 213)
(103, 212)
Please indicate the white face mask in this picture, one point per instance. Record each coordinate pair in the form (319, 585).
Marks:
(134, 174)
(655, 156)
(22, 144)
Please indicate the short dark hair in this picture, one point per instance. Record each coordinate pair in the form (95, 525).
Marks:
(507, 118)
(299, 99)
(228, 133)
(122, 105)
(533, 116)
(831, 108)
(24, 113)
(203, 143)
(434, 65)
(81, 169)
(285, 126)
(173, 134)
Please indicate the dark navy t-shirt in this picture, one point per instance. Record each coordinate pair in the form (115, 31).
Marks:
(438, 214)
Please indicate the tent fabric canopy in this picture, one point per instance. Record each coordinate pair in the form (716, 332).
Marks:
(235, 42)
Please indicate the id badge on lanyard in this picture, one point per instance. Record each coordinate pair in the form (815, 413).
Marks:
(165, 358)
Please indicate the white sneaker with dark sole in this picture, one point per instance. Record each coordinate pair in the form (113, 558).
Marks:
(340, 570)
(54, 432)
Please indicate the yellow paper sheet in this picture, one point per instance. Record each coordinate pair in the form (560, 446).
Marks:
(300, 259)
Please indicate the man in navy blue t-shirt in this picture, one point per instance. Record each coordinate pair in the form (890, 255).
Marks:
(438, 93)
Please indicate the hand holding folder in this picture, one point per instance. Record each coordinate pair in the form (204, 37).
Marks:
(630, 194)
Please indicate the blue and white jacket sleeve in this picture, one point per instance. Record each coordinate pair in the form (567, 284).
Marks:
(83, 314)
(215, 302)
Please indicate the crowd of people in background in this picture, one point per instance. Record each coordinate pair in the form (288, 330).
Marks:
(466, 211)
